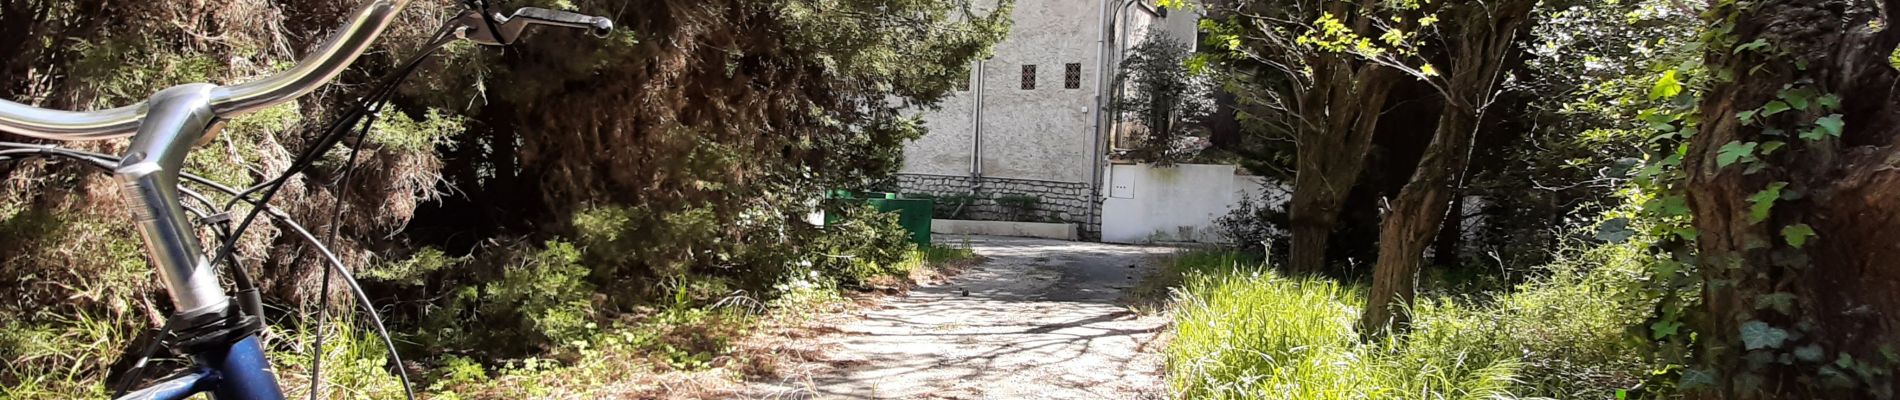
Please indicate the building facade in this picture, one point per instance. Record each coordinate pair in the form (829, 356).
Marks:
(1024, 139)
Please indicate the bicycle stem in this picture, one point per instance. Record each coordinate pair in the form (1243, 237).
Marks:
(177, 118)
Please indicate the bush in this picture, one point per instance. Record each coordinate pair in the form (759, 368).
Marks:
(1020, 207)
(860, 244)
(1574, 325)
(1254, 225)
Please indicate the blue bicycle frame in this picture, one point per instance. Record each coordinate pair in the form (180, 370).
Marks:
(236, 372)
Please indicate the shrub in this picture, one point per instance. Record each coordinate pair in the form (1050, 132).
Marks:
(547, 294)
(860, 244)
(541, 300)
(1256, 226)
(1574, 325)
(1020, 207)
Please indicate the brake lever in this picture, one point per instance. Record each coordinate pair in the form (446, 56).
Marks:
(475, 28)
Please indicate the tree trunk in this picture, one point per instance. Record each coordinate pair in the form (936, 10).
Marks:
(1415, 217)
(1332, 153)
(1484, 38)
(1826, 308)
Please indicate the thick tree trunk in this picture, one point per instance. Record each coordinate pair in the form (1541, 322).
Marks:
(1415, 217)
(1332, 154)
(1826, 308)
(1484, 38)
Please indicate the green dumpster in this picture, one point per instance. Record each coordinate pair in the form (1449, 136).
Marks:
(913, 214)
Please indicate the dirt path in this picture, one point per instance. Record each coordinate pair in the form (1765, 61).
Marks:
(1039, 320)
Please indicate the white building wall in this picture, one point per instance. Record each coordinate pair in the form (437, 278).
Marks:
(1036, 142)
(1039, 134)
(1175, 204)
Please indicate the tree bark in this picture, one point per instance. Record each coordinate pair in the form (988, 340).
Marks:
(1332, 153)
(1485, 36)
(1415, 217)
(1841, 289)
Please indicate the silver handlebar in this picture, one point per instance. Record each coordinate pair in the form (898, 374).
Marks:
(313, 71)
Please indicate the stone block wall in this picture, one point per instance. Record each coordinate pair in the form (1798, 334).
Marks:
(974, 198)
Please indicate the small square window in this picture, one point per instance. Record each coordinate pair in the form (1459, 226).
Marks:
(1072, 76)
(1029, 77)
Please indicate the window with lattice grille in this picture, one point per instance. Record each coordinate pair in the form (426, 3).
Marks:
(1072, 76)
(1029, 77)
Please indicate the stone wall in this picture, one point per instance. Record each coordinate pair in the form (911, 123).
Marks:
(1002, 199)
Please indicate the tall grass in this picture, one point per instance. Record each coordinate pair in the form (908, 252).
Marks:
(1246, 332)
(1252, 334)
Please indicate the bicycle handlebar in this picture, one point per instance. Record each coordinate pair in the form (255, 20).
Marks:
(313, 71)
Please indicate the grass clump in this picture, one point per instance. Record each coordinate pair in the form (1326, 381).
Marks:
(1244, 331)
(1250, 334)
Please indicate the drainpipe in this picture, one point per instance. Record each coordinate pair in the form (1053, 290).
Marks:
(976, 122)
(1103, 63)
(976, 133)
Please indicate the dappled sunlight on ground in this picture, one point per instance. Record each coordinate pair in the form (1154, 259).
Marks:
(1040, 319)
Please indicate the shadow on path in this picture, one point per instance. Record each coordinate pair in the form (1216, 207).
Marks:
(1040, 320)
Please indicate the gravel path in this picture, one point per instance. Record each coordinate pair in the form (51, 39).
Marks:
(1041, 319)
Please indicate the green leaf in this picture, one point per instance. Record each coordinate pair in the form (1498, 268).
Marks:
(1797, 98)
(1615, 230)
(1663, 329)
(1757, 44)
(1813, 134)
(1667, 206)
(1747, 117)
(1666, 87)
(1778, 301)
(1732, 152)
(1758, 335)
(1764, 201)
(1773, 107)
(1829, 102)
(1769, 147)
(1797, 235)
(1695, 378)
(1809, 353)
(1832, 124)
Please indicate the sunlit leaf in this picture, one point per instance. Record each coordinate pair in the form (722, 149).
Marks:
(1831, 125)
(1666, 87)
(1797, 235)
(1763, 201)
